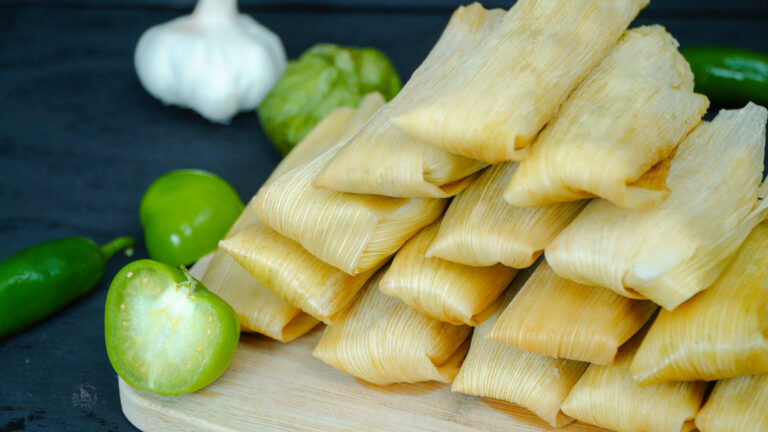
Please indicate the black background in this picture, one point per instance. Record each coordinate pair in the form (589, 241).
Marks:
(80, 140)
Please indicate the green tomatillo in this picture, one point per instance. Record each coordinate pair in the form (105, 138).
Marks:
(165, 331)
(185, 213)
(324, 78)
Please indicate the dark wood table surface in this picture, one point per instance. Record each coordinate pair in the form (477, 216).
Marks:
(80, 141)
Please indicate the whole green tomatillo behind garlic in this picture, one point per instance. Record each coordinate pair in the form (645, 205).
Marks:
(215, 61)
(324, 78)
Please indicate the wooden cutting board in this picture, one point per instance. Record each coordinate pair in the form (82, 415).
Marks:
(271, 386)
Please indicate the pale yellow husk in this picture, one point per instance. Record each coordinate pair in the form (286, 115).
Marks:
(294, 274)
(539, 383)
(352, 232)
(443, 290)
(481, 229)
(383, 160)
(499, 98)
(259, 309)
(720, 333)
(614, 134)
(736, 405)
(561, 318)
(607, 396)
(383, 341)
(678, 248)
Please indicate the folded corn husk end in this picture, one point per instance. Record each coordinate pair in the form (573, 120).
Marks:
(560, 318)
(721, 332)
(383, 341)
(481, 229)
(258, 309)
(736, 405)
(628, 116)
(509, 147)
(294, 274)
(678, 248)
(358, 232)
(383, 160)
(443, 290)
(477, 112)
(448, 249)
(536, 382)
(606, 396)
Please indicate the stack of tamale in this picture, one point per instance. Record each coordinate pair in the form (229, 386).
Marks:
(548, 129)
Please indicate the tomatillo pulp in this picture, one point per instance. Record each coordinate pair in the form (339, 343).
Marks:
(164, 331)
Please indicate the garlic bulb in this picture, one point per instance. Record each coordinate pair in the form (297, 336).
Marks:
(215, 61)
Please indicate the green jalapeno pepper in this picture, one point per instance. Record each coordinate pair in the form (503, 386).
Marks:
(729, 76)
(42, 279)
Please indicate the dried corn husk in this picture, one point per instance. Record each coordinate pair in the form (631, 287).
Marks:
(539, 383)
(443, 290)
(560, 318)
(720, 333)
(383, 341)
(258, 308)
(736, 405)
(499, 98)
(381, 159)
(678, 248)
(607, 396)
(481, 229)
(352, 232)
(294, 274)
(615, 134)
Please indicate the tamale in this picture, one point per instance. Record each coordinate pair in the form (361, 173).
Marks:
(294, 274)
(351, 232)
(560, 318)
(736, 405)
(678, 248)
(499, 98)
(539, 383)
(607, 396)
(481, 229)
(258, 308)
(443, 290)
(720, 333)
(381, 159)
(615, 134)
(383, 341)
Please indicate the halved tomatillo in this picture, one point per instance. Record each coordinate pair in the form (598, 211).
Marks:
(165, 331)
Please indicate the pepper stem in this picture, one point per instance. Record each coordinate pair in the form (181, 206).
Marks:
(115, 245)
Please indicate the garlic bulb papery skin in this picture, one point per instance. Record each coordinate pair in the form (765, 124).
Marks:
(215, 61)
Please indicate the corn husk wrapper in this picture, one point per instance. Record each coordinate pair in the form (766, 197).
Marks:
(351, 232)
(383, 341)
(259, 309)
(383, 160)
(443, 290)
(606, 396)
(615, 134)
(496, 102)
(678, 248)
(294, 274)
(481, 229)
(560, 318)
(536, 382)
(736, 405)
(720, 333)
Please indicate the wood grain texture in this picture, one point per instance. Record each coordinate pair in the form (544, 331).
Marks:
(281, 387)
